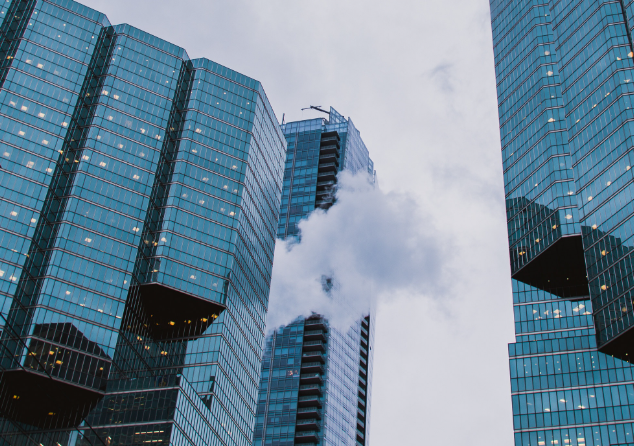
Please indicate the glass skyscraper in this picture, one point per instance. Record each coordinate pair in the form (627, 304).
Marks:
(316, 381)
(139, 199)
(565, 72)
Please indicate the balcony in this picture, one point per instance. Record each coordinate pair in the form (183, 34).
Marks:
(308, 412)
(364, 352)
(325, 185)
(310, 378)
(323, 167)
(306, 437)
(314, 346)
(328, 138)
(327, 176)
(311, 400)
(363, 372)
(313, 356)
(360, 435)
(309, 389)
(324, 203)
(361, 403)
(314, 335)
(315, 367)
(307, 424)
(315, 324)
(329, 158)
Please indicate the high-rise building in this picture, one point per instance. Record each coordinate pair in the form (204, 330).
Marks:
(139, 198)
(316, 381)
(565, 72)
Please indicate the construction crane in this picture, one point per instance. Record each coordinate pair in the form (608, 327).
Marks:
(316, 107)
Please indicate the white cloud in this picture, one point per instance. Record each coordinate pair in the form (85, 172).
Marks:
(370, 244)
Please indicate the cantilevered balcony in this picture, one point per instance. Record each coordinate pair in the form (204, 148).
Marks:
(309, 412)
(309, 389)
(307, 424)
(314, 346)
(306, 436)
(310, 378)
(315, 324)
(314, 367)
(311, 400)
(313, 356)
(314, 335)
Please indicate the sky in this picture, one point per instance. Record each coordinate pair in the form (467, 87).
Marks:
(417, 78)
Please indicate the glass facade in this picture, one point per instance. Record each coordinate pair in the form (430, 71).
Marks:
(564, 82)
(316, 380)
(138, 207)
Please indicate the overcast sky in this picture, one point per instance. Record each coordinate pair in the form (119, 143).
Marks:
(417, 79)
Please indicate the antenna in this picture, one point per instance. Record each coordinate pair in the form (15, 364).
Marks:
(283, 116)
(316, 107)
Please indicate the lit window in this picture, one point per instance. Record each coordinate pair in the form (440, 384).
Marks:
(49, 170)
(136, 177)
(64, 124)
(1, 273)
(21, 133)
(192, 277)
(67, 293)
(85, 157)
(45, 142)
(40, 65)
(198, 130)
(116, 96)
(205, 179)
(14, 213)
(590, 198)
(568, 217)
(136, 229)
(102, 164)
(109, 118)
(550, 73)
(33, 220)
(41, 115)
(105, 92)
(88, 240)
(30, 164)
(24, 108)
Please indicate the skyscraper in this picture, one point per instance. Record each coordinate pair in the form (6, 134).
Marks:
(139, 198)
(564, 80)
(316, 381)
